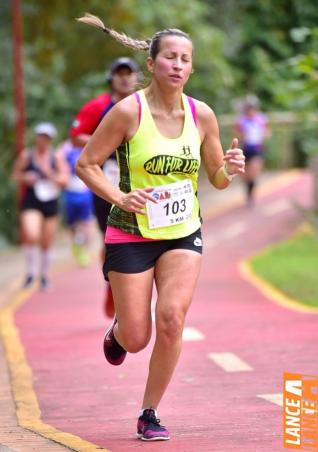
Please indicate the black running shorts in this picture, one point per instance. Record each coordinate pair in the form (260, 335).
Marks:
(251, 151)
(47, 208)
(137, 257)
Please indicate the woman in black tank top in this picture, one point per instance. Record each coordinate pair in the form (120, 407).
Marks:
(41, 175)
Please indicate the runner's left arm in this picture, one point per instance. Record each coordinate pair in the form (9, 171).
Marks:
(211, 150)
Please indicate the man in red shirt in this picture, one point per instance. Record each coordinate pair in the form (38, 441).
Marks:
(123, 77)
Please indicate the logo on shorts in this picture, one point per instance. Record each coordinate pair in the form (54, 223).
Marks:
(197, 241)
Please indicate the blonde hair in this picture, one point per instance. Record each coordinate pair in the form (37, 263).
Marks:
(152, 45)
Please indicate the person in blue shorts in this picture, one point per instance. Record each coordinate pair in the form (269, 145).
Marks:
(77, 206)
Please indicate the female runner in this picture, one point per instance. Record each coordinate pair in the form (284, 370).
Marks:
(153, 232)
(43, 174)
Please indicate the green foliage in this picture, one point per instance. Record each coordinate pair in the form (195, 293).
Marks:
(8, 202)
(272, 35)
(7, 192)
(302, 88)
(302, 85)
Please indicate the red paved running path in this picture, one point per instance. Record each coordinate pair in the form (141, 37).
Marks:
(206, 408)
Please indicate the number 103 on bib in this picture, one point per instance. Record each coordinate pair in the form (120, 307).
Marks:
(174, 204)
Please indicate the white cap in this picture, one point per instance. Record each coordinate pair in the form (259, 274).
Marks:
(251, 101)
(45, 128)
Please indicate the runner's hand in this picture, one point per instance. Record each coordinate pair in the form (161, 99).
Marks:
(30, 177)
(47, 173)
(135, 200)
(234, 159)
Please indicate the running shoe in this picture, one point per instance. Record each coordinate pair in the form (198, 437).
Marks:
(44, 283)
(109, 307)
(81, 255)
(114, 352)
(149, 428)
(28, 281)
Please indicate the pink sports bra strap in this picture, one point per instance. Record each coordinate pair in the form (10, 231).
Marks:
(193, 109)
(139, 106)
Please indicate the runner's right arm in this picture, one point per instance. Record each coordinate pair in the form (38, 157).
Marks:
(19, 174)
(116, 128)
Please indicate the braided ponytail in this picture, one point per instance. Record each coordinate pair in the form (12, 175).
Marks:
(122, 38)
(153, 45)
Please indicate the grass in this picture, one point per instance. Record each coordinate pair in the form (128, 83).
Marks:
(292, 268)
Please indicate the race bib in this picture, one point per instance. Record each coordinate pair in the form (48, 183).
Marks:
(111, 171)
(46, 190)
(174, 204)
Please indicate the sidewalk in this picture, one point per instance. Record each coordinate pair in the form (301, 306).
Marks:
(67, 397)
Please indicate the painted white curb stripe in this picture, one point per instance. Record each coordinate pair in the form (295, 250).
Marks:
(229, 362)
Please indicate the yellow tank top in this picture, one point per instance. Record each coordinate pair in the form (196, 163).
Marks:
(151, 160)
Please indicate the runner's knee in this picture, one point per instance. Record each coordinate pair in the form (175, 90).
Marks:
(31, 238)
(170, 324)
(133, 341)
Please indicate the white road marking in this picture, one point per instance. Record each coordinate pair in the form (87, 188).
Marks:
(192, 334)
(275, 207)
(235, 229)
(229, 362)
(273, 398)
(189, 334)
